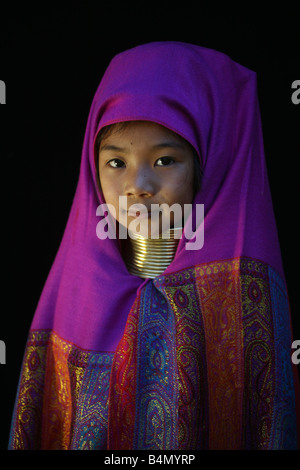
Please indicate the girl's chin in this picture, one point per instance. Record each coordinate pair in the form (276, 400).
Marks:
(146, 227)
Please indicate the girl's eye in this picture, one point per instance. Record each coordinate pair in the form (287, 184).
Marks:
(164, 161)
(116, 163)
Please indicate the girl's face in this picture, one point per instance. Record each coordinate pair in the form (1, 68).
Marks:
(147, 164)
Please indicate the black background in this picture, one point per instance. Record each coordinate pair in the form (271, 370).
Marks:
(52, 59)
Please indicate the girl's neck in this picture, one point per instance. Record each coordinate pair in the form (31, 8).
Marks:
(149, 257)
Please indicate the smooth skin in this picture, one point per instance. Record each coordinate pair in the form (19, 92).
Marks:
(148, 164)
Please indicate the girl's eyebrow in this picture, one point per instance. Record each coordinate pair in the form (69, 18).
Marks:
(114, 148)
(169, 144)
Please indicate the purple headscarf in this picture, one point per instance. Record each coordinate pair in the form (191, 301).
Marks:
(210, 101)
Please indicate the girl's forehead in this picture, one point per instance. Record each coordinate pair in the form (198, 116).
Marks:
(145, 131)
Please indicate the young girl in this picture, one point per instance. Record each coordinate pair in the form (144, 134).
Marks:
(161, 342)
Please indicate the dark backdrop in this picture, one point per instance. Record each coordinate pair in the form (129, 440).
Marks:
(52, 59)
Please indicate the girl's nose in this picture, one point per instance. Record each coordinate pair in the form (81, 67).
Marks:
(140, 183)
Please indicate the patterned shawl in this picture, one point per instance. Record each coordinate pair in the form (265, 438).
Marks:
(199, 357)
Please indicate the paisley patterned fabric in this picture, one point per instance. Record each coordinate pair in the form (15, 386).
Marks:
(203, 363)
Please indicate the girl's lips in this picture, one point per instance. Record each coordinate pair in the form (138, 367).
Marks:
(139, 210)
(139, 214)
